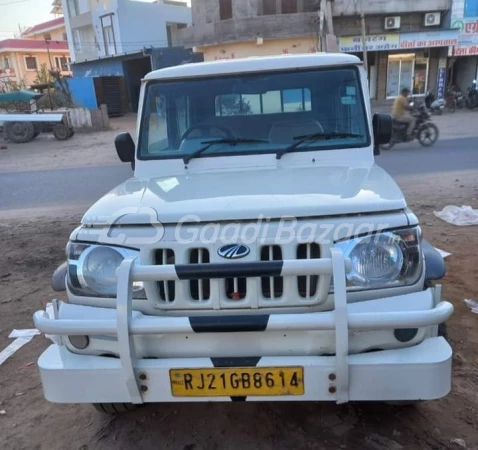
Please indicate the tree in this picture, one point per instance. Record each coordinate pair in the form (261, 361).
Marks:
(44, 76)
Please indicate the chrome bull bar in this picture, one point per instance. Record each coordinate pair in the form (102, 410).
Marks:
(340, 320)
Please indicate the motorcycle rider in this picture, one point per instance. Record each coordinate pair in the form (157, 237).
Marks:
(401, 111)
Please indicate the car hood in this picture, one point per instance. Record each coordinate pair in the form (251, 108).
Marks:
(242, 195)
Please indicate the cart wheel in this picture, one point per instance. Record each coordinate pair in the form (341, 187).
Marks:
(72, 132)
(61, 132)
(20, 132)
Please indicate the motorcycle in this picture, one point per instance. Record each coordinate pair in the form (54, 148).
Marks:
(472, 97)
(425, 131)
(435, 105)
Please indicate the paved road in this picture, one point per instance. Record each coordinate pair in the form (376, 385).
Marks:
(82, 186)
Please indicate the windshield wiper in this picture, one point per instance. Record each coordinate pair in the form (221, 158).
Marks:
(315, 137)
(230, 141)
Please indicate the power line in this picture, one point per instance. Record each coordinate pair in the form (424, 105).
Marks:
(13, 2)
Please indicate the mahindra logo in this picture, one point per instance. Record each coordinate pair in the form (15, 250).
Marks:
(233, 251)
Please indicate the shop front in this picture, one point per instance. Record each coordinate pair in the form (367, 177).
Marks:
(465, 54)
(408, 60)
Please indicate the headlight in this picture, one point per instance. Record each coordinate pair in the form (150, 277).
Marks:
(386, 259)
(92, 270)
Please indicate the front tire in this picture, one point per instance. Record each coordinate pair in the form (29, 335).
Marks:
(61, 132)
(428, 134)
(114, 408)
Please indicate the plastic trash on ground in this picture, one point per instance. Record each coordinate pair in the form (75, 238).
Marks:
(460, 216)
(443, 253)
(472, 304)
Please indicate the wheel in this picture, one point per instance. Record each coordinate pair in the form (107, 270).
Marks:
(428, 134)
(114, 408)
(388, 146)
(20, 132)
(61, 132)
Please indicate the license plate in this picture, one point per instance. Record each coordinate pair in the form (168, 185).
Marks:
(237, 381)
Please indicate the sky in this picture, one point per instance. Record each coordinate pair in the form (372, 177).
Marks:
(23, 12)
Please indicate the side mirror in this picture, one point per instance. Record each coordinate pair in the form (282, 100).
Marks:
(382, 131)
(125, 148)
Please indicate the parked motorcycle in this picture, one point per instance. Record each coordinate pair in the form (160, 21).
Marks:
(472, 96)
(435, 105)
(425, 131)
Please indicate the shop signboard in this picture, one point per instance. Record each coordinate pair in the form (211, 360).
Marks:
(467, 31)
(429, 39)
(466, 51)
(374, 43)
(441, 78)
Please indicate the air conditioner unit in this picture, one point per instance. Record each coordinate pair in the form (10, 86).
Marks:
(432, 19)
(392, 23)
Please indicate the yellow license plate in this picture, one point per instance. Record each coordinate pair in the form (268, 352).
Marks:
(237, 381)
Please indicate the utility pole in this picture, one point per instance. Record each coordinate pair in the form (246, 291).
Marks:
(364, 37)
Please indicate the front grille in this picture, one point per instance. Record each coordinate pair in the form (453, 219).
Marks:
(236, 288)
(272, 287)
(167, 289)
(307, 285)
(199, 290)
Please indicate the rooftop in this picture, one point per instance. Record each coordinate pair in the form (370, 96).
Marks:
(253, 64)
(45, 26)
(30, 44)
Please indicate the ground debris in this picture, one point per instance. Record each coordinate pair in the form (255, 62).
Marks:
(460, 442)
(377, 442)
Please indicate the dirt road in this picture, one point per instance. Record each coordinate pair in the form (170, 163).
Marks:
(31, 250)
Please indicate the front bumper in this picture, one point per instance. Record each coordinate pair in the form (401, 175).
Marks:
(419, 372)
(422, 372)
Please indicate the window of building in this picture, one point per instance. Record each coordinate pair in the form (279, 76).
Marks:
(225, 9)
(108, 34)
(6, 62)
(269, 7)
(311, 5)
(288, 6)
(31, 63)
(47, 36)
(272, 102)
(62, 63)
(73, 7)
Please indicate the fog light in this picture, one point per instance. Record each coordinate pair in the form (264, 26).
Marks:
(79, 342)
(406, 334)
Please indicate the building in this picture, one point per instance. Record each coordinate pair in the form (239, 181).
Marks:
(407, 40)
(463, 67)
(226, 29)
(110, 41)
(43, 44)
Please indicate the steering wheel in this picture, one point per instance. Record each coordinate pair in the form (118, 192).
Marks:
(206, 130)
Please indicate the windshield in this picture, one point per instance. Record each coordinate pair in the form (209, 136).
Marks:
(253, 113)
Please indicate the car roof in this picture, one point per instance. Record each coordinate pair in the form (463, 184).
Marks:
(253, 64)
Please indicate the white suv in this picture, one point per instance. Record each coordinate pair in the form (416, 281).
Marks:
(257, 254)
